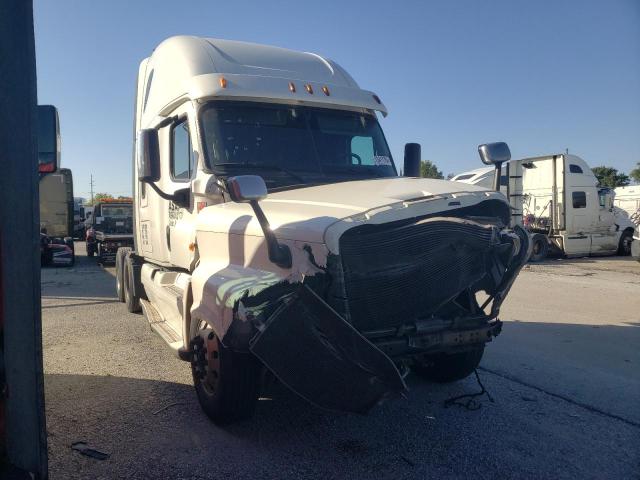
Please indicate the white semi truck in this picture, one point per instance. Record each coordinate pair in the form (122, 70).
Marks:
(273, 234)
(557, 199)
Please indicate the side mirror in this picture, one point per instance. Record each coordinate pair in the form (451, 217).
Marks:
(251, 189)
(412, 159)
(246, 188)
(48, 139)
(148, 155)
(495, 154)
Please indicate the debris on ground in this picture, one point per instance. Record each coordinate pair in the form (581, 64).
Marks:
(167, 407)
(471, 403)
(85, 450)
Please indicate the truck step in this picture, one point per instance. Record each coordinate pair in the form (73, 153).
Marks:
(160, 326)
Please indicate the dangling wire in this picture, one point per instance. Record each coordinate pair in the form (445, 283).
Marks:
(471, 403)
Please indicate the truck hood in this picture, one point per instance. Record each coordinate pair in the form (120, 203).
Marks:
(320, 214)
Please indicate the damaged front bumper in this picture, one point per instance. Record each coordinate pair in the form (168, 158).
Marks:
(321, 350)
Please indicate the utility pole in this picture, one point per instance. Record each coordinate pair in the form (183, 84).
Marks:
(91, 184)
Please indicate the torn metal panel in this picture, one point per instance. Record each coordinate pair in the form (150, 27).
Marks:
(318, 355)
(400, 273)
(218, 285)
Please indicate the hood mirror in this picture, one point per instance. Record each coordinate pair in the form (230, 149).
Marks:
(495, 154)
(251, 189)
(246, 188)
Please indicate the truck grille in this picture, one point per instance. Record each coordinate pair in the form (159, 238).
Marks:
(396, 274)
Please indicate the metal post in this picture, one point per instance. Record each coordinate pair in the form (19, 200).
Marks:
(23, 389)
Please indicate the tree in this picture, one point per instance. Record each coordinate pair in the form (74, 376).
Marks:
(635, 173)
(428, 169)
(99, 197)
(610, 177)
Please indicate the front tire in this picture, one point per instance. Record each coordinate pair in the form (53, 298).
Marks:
(227, 382)
(445, 368)
(624, 246)
(539, 248)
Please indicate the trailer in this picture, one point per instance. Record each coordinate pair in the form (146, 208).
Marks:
(628, 199)
(557, 199)
(56, 205)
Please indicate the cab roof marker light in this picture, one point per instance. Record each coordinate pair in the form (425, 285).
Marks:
(292, 87)
(325, 89)
(308, 88)
(223, 82)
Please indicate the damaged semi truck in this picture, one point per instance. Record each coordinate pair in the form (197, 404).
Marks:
(273, 234)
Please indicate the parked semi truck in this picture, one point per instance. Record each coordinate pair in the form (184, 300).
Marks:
(272, 233)
(56, 199)
(557, 199)
(110, 228)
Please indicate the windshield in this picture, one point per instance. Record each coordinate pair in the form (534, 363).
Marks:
(117, 210)
(294, 145)
(115, 219)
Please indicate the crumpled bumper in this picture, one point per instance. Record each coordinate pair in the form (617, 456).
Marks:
(319, 355)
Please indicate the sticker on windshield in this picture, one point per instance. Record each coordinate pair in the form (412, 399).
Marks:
(381, 160)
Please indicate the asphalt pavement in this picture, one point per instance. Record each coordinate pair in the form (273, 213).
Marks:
(563, 379)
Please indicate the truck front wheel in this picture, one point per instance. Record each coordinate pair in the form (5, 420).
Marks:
(624, 247)
(444, 368)
(227, 382)
(540, 247)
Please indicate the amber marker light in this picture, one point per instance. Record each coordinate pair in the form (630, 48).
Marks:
(292, 87)
(308, 88)
(325, 90)
(223, 82)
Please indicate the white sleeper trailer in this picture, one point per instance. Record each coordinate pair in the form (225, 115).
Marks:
(628, 199)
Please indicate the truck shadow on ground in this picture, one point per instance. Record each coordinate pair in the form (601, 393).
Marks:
(156, 429)
(154, 426)
(601, 262)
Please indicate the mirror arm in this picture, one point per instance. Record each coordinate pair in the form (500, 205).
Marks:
(278, 253)
(180, 197)
(497, 176)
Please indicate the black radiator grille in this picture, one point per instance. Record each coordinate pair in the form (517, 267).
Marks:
(395, 275)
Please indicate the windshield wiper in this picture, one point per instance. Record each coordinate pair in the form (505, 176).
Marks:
(263, 166)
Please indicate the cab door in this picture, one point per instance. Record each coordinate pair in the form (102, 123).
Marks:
(578, 220)
(180, 232)
(604, 239)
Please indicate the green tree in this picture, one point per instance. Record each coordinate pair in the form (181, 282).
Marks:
(610, 177)
(98, 197)
(635, 173)
(428, 169)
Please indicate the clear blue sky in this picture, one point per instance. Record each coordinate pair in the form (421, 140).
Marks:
(541, 75)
